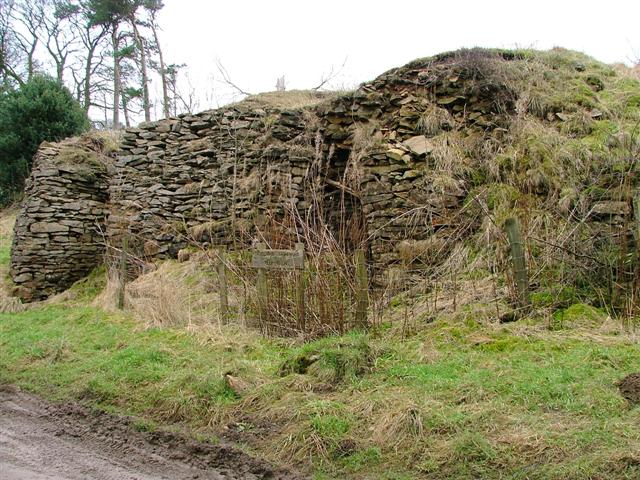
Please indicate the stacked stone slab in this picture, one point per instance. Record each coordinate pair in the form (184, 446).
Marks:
(209, 177)
(218, 174)
(59, 233)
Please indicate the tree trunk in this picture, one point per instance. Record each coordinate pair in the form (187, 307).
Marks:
(60, 72)
(116, 78)
(163, 73)
(105, 110)
(125, 109)
(87, 79)
(174, 92)
(8, 72)
(30, 61)
(143, 71)
(91, 44)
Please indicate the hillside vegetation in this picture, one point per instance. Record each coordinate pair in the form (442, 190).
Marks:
(448, 382)
(549, 138)
(457, 398)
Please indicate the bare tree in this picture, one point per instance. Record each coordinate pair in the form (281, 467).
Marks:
(129, 95)
(142, 64)
(86, 44)
(327, 77)
(226, 78)
(112, 14)
(132, 95)
(10, 54)
(117, 82)
(93, 38)
(187, 100)
(172, 85)
(153, 7)
(28, 18)
(60, 38)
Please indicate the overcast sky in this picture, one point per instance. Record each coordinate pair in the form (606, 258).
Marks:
(259, 41)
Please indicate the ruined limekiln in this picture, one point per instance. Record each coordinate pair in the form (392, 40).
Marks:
(388, 166)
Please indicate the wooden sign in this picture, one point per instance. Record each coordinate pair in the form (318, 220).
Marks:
(278, 259)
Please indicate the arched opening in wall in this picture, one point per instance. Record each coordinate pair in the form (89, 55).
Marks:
(342, 205)
(327, 214)
(322, 211)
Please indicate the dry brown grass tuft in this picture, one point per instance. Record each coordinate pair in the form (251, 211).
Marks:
(399, 422)
(292, 99)
(9, 304)
(175, 294)
(434, 120)
(301, 446)
(7, 220)
(171, 296)
(107, 298)
(110, 139)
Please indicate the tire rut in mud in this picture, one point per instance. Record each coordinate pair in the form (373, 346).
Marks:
(40, 440)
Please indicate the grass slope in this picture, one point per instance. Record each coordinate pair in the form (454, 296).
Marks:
(452, 401)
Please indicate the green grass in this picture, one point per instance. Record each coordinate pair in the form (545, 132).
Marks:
(455, 400)
(82, 352)
(5, 250)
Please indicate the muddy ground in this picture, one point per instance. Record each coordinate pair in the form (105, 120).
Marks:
(39, 441)
(629, 388)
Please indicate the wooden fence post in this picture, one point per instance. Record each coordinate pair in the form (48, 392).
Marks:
(222, 280)
(636, 233)
(519, 262)
(262, 291)
(300, 289)
(122, 273)
(636, 216)
(362, 290)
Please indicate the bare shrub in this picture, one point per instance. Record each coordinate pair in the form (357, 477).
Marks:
(328, 276)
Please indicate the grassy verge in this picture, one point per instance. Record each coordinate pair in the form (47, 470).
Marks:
(83, 352)
(460, 397)
(455, 400)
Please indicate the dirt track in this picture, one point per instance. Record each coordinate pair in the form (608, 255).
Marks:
(41, 441)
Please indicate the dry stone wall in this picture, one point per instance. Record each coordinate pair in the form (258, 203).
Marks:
(59, 234)
(391, 167)
(218, 176)
(405, 134)
(209, 177)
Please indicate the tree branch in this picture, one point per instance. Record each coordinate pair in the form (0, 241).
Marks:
(333, 73)
(227, 78)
